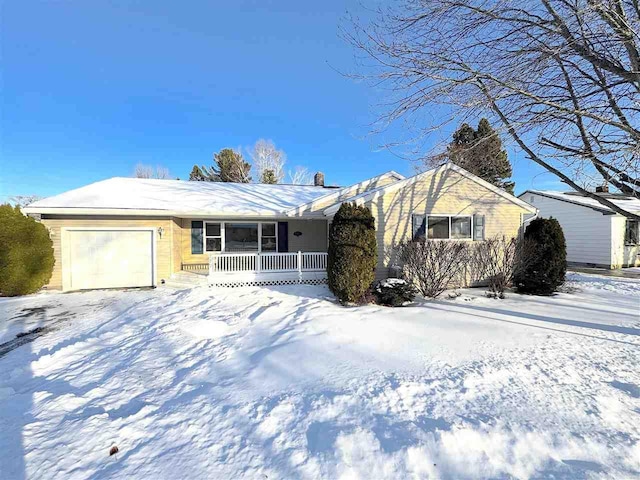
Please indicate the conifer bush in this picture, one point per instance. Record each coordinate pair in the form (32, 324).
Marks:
(394, 292)
(26, 253)
(352, 253)
(546, 266)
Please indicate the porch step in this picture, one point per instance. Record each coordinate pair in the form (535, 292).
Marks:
(186, 280)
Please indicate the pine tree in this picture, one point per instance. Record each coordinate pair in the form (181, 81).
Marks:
(197, 175)
(352, 253)
(480, 152)
(268, 177)
(229, 166)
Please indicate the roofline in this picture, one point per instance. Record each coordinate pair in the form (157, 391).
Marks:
(336, 193)
(604, 210)
(159, 213)
(366, 196)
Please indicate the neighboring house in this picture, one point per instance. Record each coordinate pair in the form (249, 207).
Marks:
(596, 236)
(126, 232)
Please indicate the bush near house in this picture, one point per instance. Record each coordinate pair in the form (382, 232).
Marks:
(497, 260)
(432, 266)
(394, 292)
(26, 253)
(546, 268)
(352, 254)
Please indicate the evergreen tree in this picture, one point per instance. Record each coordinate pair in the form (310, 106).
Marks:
(480, 152)
(26, 253)
(268, 177)
(545, 271)
(352, 253)
(197, 175)
(229, 166)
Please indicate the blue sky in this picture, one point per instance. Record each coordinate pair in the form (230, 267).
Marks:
(90, 89)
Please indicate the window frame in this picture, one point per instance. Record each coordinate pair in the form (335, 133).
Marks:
(205, 236)
(223, 231)
(626, 228)
(441, 215)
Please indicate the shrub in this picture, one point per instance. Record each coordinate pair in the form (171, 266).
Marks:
(432, 266)
(394, 292)
(545, 270)
(496, 261)
(352, 253)
(26, 253)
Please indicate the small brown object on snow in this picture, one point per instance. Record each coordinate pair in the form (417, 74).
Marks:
(113, 450)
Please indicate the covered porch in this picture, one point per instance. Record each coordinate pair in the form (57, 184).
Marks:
(256, 252)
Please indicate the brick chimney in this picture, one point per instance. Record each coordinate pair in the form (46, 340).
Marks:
(603, 188)
(318, 179)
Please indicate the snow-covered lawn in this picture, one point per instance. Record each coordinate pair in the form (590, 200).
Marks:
(283, 383)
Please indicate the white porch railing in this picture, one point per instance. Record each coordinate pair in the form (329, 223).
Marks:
(267, 262)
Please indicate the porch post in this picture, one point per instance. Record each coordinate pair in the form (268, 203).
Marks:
(299, 266)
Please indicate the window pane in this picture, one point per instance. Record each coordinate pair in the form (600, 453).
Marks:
(268, 244)
(213, 229)
(268, 229)
(631, 233)
(214, 244)
(419, 226)
(438, 227)
(241, 237)
(460, 227)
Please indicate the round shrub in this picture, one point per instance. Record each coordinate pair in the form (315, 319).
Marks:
(26, 253)
(394, 292)
(544, 271)
(352, 253)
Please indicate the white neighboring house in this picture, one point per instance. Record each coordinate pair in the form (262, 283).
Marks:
(596, 235)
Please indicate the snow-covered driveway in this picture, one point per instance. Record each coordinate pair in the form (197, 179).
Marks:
(283, 383)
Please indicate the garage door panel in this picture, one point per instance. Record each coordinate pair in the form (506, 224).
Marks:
(110, 258)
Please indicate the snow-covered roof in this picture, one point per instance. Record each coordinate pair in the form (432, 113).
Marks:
(629, 204)
(374, 193)
(172, 197)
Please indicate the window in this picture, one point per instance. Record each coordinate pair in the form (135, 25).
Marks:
(460, 227)
(213, 237)
(241, 237)
(419, 228)
(442, 227)
(268, 240)
(438, 227)
(632, 232)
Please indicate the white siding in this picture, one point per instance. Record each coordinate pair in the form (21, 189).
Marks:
(621, 255)
(586, 231)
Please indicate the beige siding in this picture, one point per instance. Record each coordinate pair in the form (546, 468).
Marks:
(164, 251)
(447, 192)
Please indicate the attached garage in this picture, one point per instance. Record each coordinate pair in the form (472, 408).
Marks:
(107, 258)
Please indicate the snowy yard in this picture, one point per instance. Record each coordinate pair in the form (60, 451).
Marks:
(283, 383)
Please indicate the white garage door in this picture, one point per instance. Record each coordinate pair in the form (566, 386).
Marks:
(110, 258)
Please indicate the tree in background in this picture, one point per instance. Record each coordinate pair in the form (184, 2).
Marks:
(562, 77)
(480, 152)
(228, 166)
(26, 253)
(546, 258)
(300, 176)
(147, 171)
(269, 177)
(24, 200)
(267, 158)
(352, 253)
(197, 175)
